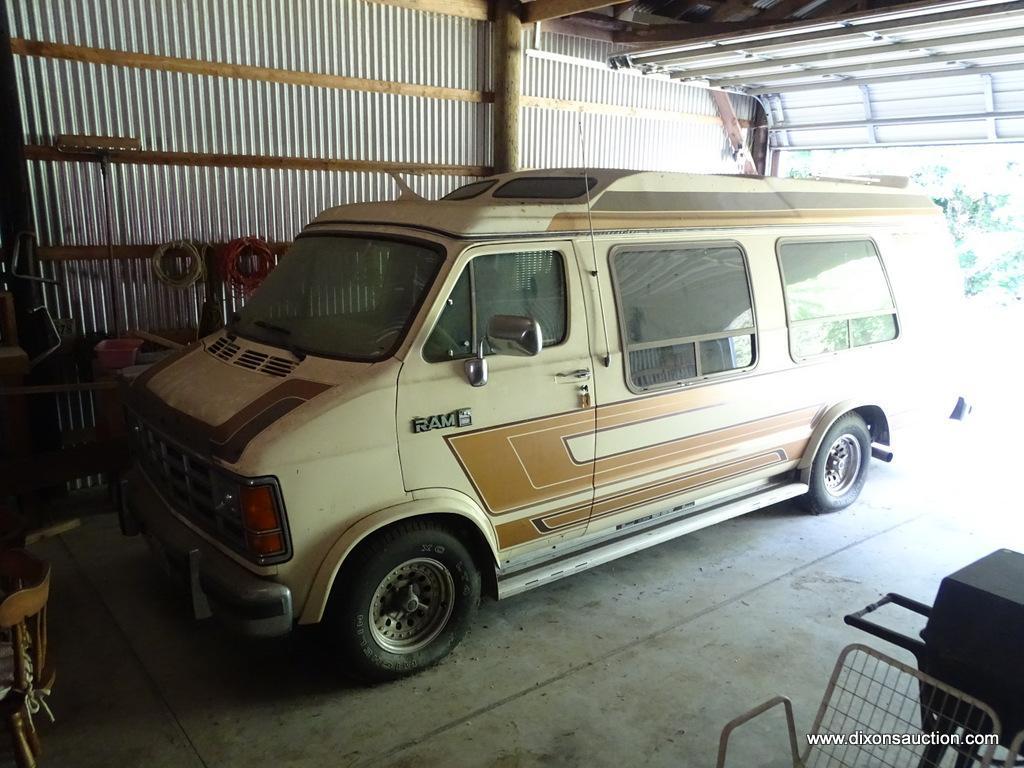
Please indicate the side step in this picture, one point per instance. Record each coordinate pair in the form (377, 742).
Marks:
(605, 551)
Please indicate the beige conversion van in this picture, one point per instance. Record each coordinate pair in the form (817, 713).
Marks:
(428, 401)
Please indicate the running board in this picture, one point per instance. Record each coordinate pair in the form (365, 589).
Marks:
(604, 552)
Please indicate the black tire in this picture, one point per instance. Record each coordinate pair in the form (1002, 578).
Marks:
(820, 498)
(357, 644)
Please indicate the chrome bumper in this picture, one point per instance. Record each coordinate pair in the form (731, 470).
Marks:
(219, 586)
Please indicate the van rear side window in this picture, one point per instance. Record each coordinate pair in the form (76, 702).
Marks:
(685, 312)
(528, 283)
(837, 296)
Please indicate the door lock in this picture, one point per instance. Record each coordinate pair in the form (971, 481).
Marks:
(584, 391)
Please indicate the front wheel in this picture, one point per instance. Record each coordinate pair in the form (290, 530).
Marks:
(840, 467)
(402, 602)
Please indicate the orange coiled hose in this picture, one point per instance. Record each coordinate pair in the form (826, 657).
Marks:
(245, 263)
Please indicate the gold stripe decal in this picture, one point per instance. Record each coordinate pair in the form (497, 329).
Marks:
(515, 466)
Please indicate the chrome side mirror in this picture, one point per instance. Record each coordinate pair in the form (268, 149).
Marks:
(514, 335)
(476, 368)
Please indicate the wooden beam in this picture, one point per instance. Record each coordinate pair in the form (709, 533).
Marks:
(733, 10)
(719, 32)
(834, 8)
(53, 389)
(466, 9)
(44, 470)
(506, 45)
(594, 108)
(218, 160)
(732, 130)
(543, 10)
(783, 9)
(238, 71)
(672, 33)
(757, 138)
(121, 252)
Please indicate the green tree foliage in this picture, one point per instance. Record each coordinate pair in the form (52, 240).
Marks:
(979, 188)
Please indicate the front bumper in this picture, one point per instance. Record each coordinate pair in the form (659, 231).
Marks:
(219, 586)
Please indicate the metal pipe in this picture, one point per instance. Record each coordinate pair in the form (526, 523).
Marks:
(108, 226)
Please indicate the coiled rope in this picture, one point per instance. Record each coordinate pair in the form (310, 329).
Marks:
(177, 249)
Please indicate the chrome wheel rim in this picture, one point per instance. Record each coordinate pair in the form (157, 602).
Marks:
(842, 465)
(411, 605)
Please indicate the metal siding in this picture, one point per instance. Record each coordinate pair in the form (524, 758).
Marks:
(205, 114)
(552, 138)
(197, 113)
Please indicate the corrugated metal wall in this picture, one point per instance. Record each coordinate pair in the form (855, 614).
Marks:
(187, 112)
(183, 112)
(677, 140)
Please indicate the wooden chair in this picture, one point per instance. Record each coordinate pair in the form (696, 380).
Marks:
(25, 676)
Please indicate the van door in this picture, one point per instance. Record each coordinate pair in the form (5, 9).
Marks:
(681, 418)
(522, 444)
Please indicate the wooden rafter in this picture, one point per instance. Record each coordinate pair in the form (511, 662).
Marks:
(543, 10)
(783, 8)
(671, 33)
(467, 9)
(833, 8)
(838, 10)
(733, 130)
(733, 10)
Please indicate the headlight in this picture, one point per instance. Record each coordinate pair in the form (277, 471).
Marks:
(254, 506)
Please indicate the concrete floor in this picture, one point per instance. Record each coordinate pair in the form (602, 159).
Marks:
(639, 662)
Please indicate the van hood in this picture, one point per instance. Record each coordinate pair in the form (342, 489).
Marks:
(215, 397)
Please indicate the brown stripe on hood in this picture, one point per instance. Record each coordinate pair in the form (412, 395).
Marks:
(228, 440)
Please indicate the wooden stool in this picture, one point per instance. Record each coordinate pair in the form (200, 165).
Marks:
(25, 677)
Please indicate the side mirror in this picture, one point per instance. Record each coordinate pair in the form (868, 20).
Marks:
(514, 335)
(476, 368)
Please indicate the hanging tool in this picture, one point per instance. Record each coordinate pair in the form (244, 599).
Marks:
(102, 149)
(24, 243)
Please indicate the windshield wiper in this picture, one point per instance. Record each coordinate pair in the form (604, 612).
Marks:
(299, 353)
(271, 327)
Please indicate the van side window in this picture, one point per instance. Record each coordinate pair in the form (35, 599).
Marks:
(837, 296)
(685, 312)
(526, 283)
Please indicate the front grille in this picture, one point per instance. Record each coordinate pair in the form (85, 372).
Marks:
(188, 484)
(228, 351)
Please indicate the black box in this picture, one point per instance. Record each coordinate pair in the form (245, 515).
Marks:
(975, 634)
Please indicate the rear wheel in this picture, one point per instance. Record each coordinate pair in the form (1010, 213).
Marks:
(402, 602)
(840, 467)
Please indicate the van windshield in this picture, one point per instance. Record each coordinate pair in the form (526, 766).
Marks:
(341, 296)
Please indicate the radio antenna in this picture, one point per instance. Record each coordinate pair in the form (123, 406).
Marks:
(593, 247)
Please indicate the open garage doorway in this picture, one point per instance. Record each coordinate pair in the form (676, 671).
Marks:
(980, 188)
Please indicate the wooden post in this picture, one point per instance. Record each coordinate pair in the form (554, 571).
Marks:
(508, 71)
(759, 138)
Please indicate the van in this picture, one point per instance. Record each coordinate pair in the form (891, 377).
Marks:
(428, 401)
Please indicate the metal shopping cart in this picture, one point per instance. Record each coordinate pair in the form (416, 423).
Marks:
(880, 713)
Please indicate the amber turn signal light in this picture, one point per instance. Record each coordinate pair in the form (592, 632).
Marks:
(265, 544)
(259, 509)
